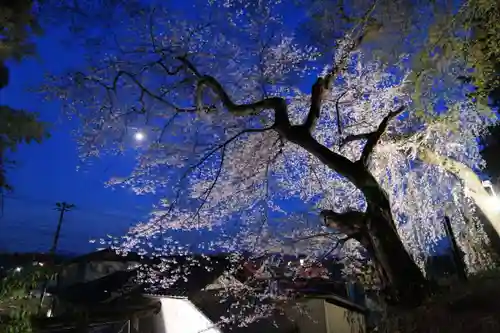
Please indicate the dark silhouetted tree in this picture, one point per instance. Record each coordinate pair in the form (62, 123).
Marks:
(18, 26)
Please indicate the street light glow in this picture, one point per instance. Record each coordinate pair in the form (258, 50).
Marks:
(494, 203)
(493, 199)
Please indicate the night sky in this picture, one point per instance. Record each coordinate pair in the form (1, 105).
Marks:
(46, 173)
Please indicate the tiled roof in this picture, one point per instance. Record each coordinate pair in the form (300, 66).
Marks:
(191, 279)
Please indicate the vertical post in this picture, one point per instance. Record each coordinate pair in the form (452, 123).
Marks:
(134, 321)
(3, 182)
(62, 207)
(455, 250)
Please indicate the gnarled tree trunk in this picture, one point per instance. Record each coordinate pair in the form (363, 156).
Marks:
(395, 263)
(376, 231)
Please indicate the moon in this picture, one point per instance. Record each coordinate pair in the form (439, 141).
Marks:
(139, 136)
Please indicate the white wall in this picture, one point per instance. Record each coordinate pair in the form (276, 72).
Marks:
(182, 316)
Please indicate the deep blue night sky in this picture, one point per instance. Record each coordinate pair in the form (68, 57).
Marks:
(47, 173)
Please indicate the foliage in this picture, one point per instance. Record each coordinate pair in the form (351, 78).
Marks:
(491, 147)
(18, 26)
(466, 33)
(258, 175)
(17, 306)
(482, 49)
(440, 34)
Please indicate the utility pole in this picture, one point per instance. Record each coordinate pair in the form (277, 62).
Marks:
(62, 207)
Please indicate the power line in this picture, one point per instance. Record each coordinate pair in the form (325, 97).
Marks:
(29, 200)
(84, 209)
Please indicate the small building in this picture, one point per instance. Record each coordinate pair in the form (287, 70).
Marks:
(102, 292)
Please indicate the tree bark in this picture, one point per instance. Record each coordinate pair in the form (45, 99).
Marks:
(396, 266)
(403, 279)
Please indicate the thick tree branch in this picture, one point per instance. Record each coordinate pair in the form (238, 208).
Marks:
(274, 103)
(298, 134)
(351, 223)
(320, 89)
(322, 86)
(347, 223)
(190, 66)
(335, 161)
(374, 137)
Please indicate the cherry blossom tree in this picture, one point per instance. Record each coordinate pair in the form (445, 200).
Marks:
(237, 146)
(400, 25)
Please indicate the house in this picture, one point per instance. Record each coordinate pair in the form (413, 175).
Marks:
(186, 298)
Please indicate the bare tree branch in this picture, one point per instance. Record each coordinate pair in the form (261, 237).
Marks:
(355, 137)
(338, 245)
(142, 88)
(203, 160)
(321, 234)
(146, 91)
(208, 191)
(374, 137)
(337, 110)
(167, 124)
(225, 143)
